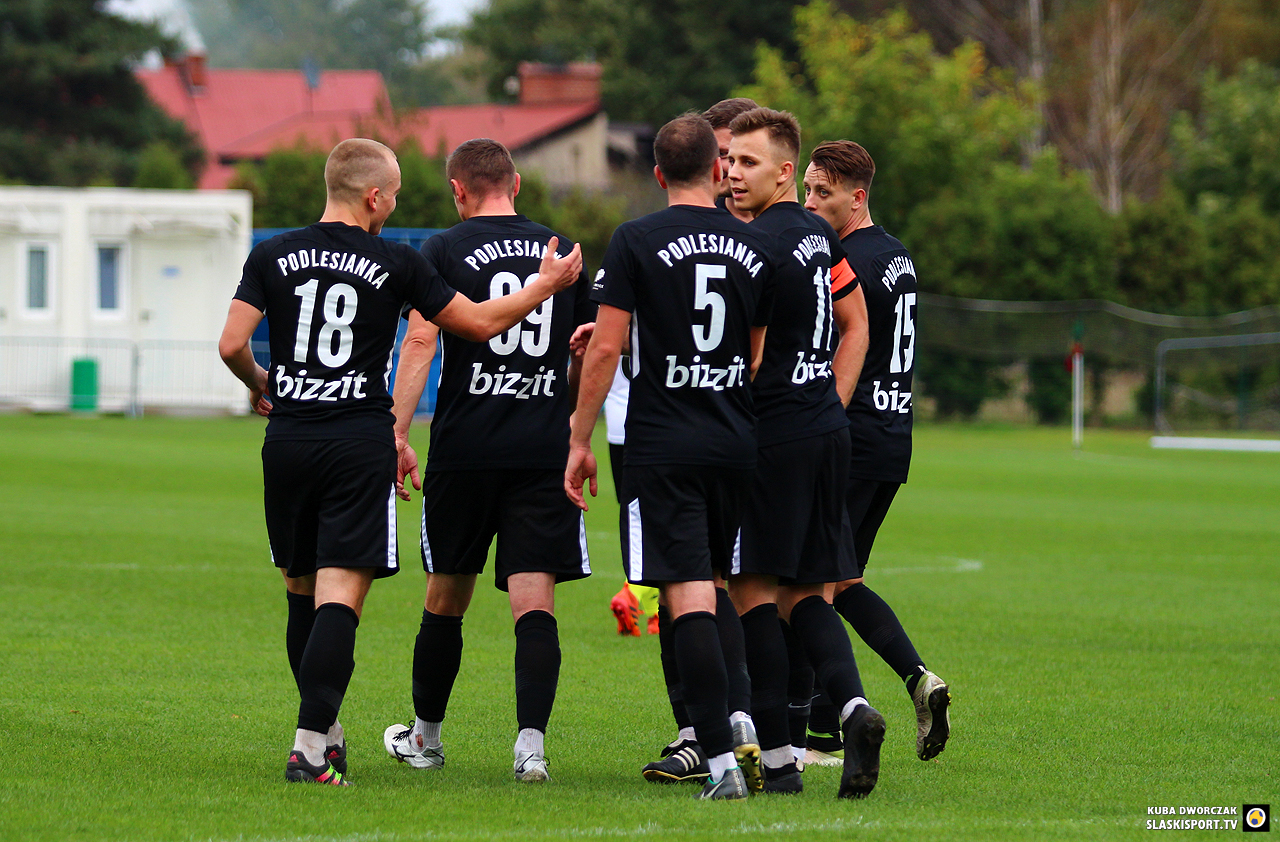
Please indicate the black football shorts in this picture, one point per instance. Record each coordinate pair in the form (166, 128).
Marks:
(331, 504)
(867, 501)
(538, 529)
(792, 521)
(680, 522)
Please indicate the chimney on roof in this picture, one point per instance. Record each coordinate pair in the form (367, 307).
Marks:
(559, 84)
(193, 70)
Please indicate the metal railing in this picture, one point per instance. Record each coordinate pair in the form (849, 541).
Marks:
(129, 377)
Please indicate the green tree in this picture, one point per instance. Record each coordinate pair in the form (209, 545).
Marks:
(931, 122)
(1027, 234)
(1229, 150)
(425, 199)
(1244, 257)
(71, 111)
(160, 166)
(1023, 234)
(1162, 257)
(660, 57)
(287, 186)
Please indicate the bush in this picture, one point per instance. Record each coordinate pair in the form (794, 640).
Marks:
(1023, 234)
(958, 383)
(1162, 256)
(160, 166)
(287, 187)
(1050, 394)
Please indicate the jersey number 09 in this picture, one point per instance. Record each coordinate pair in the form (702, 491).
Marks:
(536, 341)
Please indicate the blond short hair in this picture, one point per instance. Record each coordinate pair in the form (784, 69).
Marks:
(355, 165)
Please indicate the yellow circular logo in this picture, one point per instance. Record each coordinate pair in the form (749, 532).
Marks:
(1255, 817)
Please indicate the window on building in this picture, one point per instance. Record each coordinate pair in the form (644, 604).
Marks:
(110, 263)
(38, 278)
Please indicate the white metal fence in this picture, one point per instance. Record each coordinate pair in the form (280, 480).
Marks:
(131, 377)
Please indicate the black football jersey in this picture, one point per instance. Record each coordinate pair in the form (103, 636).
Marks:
(795, 389)
(880, 412)
(695, 281)
(333, 294)
(504, 403)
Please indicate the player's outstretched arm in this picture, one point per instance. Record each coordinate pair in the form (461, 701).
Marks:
(481, 322)
(416, 353)
(598, 367)
(850, 315)
(233, 347)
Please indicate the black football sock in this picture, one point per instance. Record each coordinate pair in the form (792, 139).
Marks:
(537, 668)
(437, 654)
(828, 648)
(877, 625)
(326, 666)
(302, 616)
(702, 675)
(670, 672)
(767, 664)
(799, 686)
(729, 626)
(823, 716)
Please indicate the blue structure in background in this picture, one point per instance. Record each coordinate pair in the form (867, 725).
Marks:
(414, 237)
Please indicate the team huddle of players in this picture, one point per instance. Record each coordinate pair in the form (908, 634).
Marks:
(768, 351)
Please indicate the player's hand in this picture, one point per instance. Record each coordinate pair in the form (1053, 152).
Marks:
(580, 469)
(406, 465)
(258, 400)
(560, 272)
(581, 339)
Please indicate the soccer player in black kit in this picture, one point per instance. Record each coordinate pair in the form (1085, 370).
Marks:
(693, 286)
(836, 183)
(499, 440)
(334, 292)
(682, 759)
(791, 524)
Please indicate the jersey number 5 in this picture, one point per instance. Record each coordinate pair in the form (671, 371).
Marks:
(536, 341)
(339, 312)
(707, 337)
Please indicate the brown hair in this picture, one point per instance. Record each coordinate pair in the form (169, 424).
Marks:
(483, 166)
(685, 148)
(846, 162)
(722, 113)
(355, 165)
(782, 126)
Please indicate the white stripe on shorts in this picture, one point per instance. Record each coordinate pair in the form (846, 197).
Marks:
(582, 542)
(735, 565)
(425, 544)
(635, 542)
(393, 557)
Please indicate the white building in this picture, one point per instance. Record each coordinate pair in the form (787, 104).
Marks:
(138, 281)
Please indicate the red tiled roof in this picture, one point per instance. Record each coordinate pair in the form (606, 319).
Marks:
(514, 126)
(244, 114)
(238, 105)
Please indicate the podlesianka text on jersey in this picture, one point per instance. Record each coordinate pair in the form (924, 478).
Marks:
(339, 261)
(811, 245)
(683, 247)
(490, 252)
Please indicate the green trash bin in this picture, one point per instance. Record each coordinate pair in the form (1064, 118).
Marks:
(84, 385)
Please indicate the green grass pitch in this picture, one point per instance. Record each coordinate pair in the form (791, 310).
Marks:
(1109, 625)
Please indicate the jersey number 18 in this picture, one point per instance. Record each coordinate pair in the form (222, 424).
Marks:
(339, 312)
